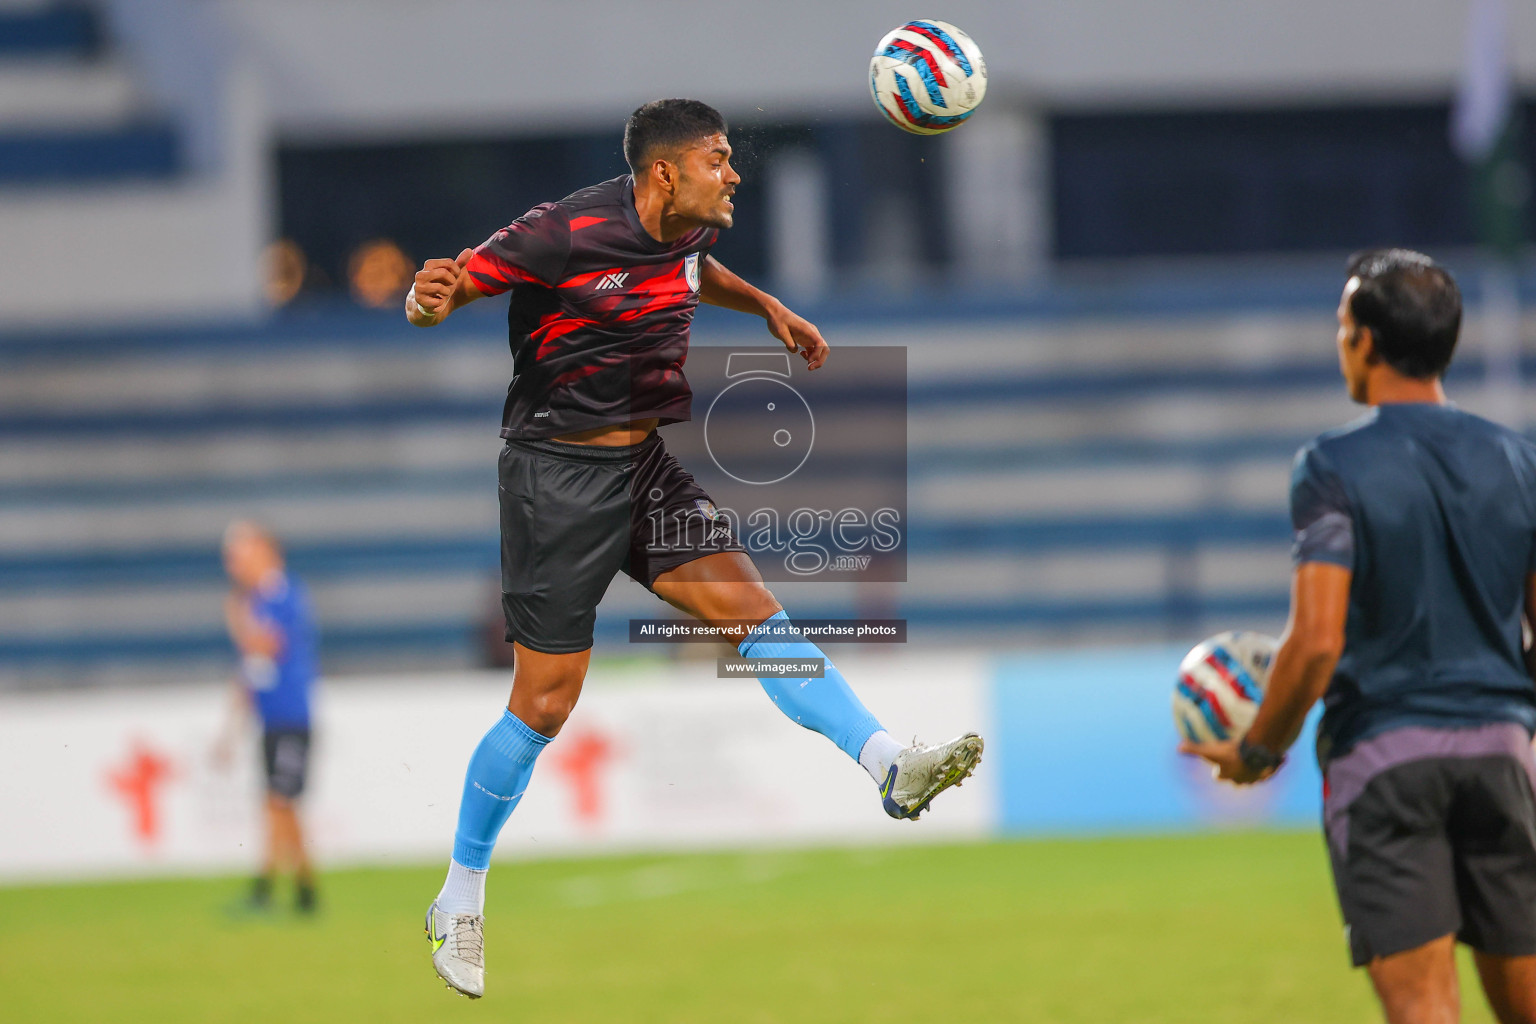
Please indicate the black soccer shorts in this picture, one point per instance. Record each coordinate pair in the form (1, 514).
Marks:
(285, 754)
(574, 515)
(1432, 832)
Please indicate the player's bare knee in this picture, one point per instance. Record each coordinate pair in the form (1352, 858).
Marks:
(546, 712)
(760, 604)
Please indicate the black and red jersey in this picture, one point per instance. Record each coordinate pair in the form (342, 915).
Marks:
(599, 313)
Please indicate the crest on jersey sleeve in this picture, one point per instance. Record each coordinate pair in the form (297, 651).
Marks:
(691, 270)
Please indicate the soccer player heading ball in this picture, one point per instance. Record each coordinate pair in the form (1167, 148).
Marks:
(603, 287)
(1415, 568)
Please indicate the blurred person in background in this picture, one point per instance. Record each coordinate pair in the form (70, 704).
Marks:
(268, 616)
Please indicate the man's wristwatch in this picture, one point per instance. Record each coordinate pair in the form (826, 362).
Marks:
(1258, 758)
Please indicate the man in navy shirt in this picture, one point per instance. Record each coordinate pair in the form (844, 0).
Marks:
(268, 616)
(1415, 574)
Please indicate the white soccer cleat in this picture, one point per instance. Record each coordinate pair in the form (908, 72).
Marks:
(458, 950)
(921, 773)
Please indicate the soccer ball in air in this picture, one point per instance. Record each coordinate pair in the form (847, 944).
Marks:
(927, 77)
(1221, 682)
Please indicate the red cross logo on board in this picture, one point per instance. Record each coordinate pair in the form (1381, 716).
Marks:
(139, 780)
(580, 760)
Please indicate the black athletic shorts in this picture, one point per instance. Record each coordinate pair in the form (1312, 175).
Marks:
(285, 753)
(1433, 832)
(574, 515)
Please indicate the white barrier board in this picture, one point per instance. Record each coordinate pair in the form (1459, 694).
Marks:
(122, 783)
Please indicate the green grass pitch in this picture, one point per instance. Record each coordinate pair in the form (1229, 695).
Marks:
(1231, 928)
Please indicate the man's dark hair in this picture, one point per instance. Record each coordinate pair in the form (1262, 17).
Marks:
(1412, 306)
(669, 124)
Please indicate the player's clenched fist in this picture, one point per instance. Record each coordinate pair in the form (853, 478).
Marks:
(432, 293)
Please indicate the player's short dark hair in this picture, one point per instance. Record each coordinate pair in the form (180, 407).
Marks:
(1412, 306)
(668, 124)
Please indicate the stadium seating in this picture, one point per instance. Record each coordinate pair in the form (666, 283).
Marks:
(69, 109)
(133, 132)
(67, 30)
(1099, 462)
(1068, 477)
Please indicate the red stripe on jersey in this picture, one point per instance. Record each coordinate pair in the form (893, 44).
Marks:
(494, 275)
(555, 327)
(573, 375)
(664, 290)
(581, 279)
(577, 223)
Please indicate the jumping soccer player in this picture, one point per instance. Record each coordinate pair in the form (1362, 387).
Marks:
(604, 285)
(269, 621)
(1415, 570)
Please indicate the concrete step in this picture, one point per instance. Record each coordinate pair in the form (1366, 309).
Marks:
(144, 151)
(66, 95)
(51, 30)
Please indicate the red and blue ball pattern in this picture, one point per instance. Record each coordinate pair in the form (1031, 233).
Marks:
(927, 77)
(1220, 684)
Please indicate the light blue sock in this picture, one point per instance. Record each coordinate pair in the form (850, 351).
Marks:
(825, 705)
(498, 774)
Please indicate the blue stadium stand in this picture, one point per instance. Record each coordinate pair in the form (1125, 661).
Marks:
(60, 30)
(1113, 480)
(138, 146)
(371, 447)
(128, 152)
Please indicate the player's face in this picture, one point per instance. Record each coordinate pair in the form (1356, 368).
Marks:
(246, 559)
(705, 183)
(1352, 351)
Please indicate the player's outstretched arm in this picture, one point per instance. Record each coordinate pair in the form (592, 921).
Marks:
(719, 287)
(1313, 641)
(440, 287)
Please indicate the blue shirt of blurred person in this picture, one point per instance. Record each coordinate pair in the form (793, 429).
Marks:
(281, 686)
(1434, 511)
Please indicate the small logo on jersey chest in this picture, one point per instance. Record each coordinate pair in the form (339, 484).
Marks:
(614, 280)
(691, 270)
